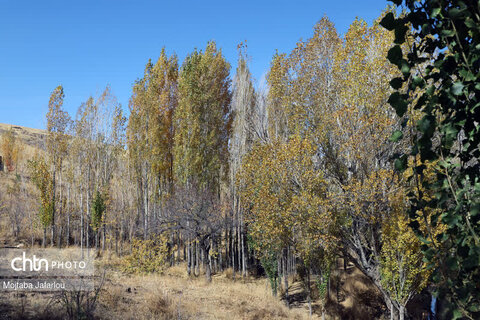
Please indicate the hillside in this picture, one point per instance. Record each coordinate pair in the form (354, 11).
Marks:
(30, 142)
(29, 136)
(18, 201)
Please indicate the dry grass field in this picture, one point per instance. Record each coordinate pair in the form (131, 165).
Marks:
(174, 295)
(171, 295)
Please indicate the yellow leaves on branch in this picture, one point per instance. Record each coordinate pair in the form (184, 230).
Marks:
(403, 271)
(285, 196)
(369, 197)
(150, 255)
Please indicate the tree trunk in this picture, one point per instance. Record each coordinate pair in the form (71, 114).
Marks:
(104, 233)
(178, 247)
(232, 252)
(309, 294)
(59, 236)
(189, 258)
(54, 205)
(239, 245)
(96, 240)
(44, 240)
(285, 277)
(67, 237)
(145, 213)
(82, 222)
(197, 259)
(244, 262)
(116, 241)
(207, 260)
(60, 207)
(274, 286)
(401, 312)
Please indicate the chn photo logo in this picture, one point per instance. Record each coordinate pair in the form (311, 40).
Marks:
(26, 263)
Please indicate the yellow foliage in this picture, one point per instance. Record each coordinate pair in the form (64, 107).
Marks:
(147, 255)
(285, 197)
(403, 271)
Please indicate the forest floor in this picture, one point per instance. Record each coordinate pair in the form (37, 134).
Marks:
(171, 295)
(174, 295)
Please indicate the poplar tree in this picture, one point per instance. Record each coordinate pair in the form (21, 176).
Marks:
(42, 179)
(58, 121)
(150, 133)
(436, 49)
(203, 119)
(243, 109)
(202, 124)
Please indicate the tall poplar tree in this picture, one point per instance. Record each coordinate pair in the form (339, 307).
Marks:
(58, 121)
(150, 134)
(243, 108)
(203, 119)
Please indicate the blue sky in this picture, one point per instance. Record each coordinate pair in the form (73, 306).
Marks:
(85, 45)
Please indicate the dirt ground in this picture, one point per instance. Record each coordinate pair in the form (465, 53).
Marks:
(174, 295)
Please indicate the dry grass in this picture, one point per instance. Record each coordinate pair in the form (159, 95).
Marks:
(37, 306)
(175, 296)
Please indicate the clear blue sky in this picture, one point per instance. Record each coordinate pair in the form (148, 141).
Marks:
(85, 45)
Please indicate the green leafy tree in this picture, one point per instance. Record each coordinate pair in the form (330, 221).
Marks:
(98, 210)
(43, 180)
(440, 72)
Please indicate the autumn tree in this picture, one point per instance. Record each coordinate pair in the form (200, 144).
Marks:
(99, 132)
(57, 122)
(278, 87)
(332, 93)
(10, 150)
(299, 87)
(81, 161)
(403, 271)
(287, 201)
(202, 124)
(98, 210)
(242, 137)
(202, 120)
(150, 134)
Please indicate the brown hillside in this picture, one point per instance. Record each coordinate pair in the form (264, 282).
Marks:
(28, 136)
(21, 207)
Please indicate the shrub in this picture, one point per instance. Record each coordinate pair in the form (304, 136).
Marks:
(147, 256)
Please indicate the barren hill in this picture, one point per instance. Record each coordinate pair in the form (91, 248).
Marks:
(28, 136)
